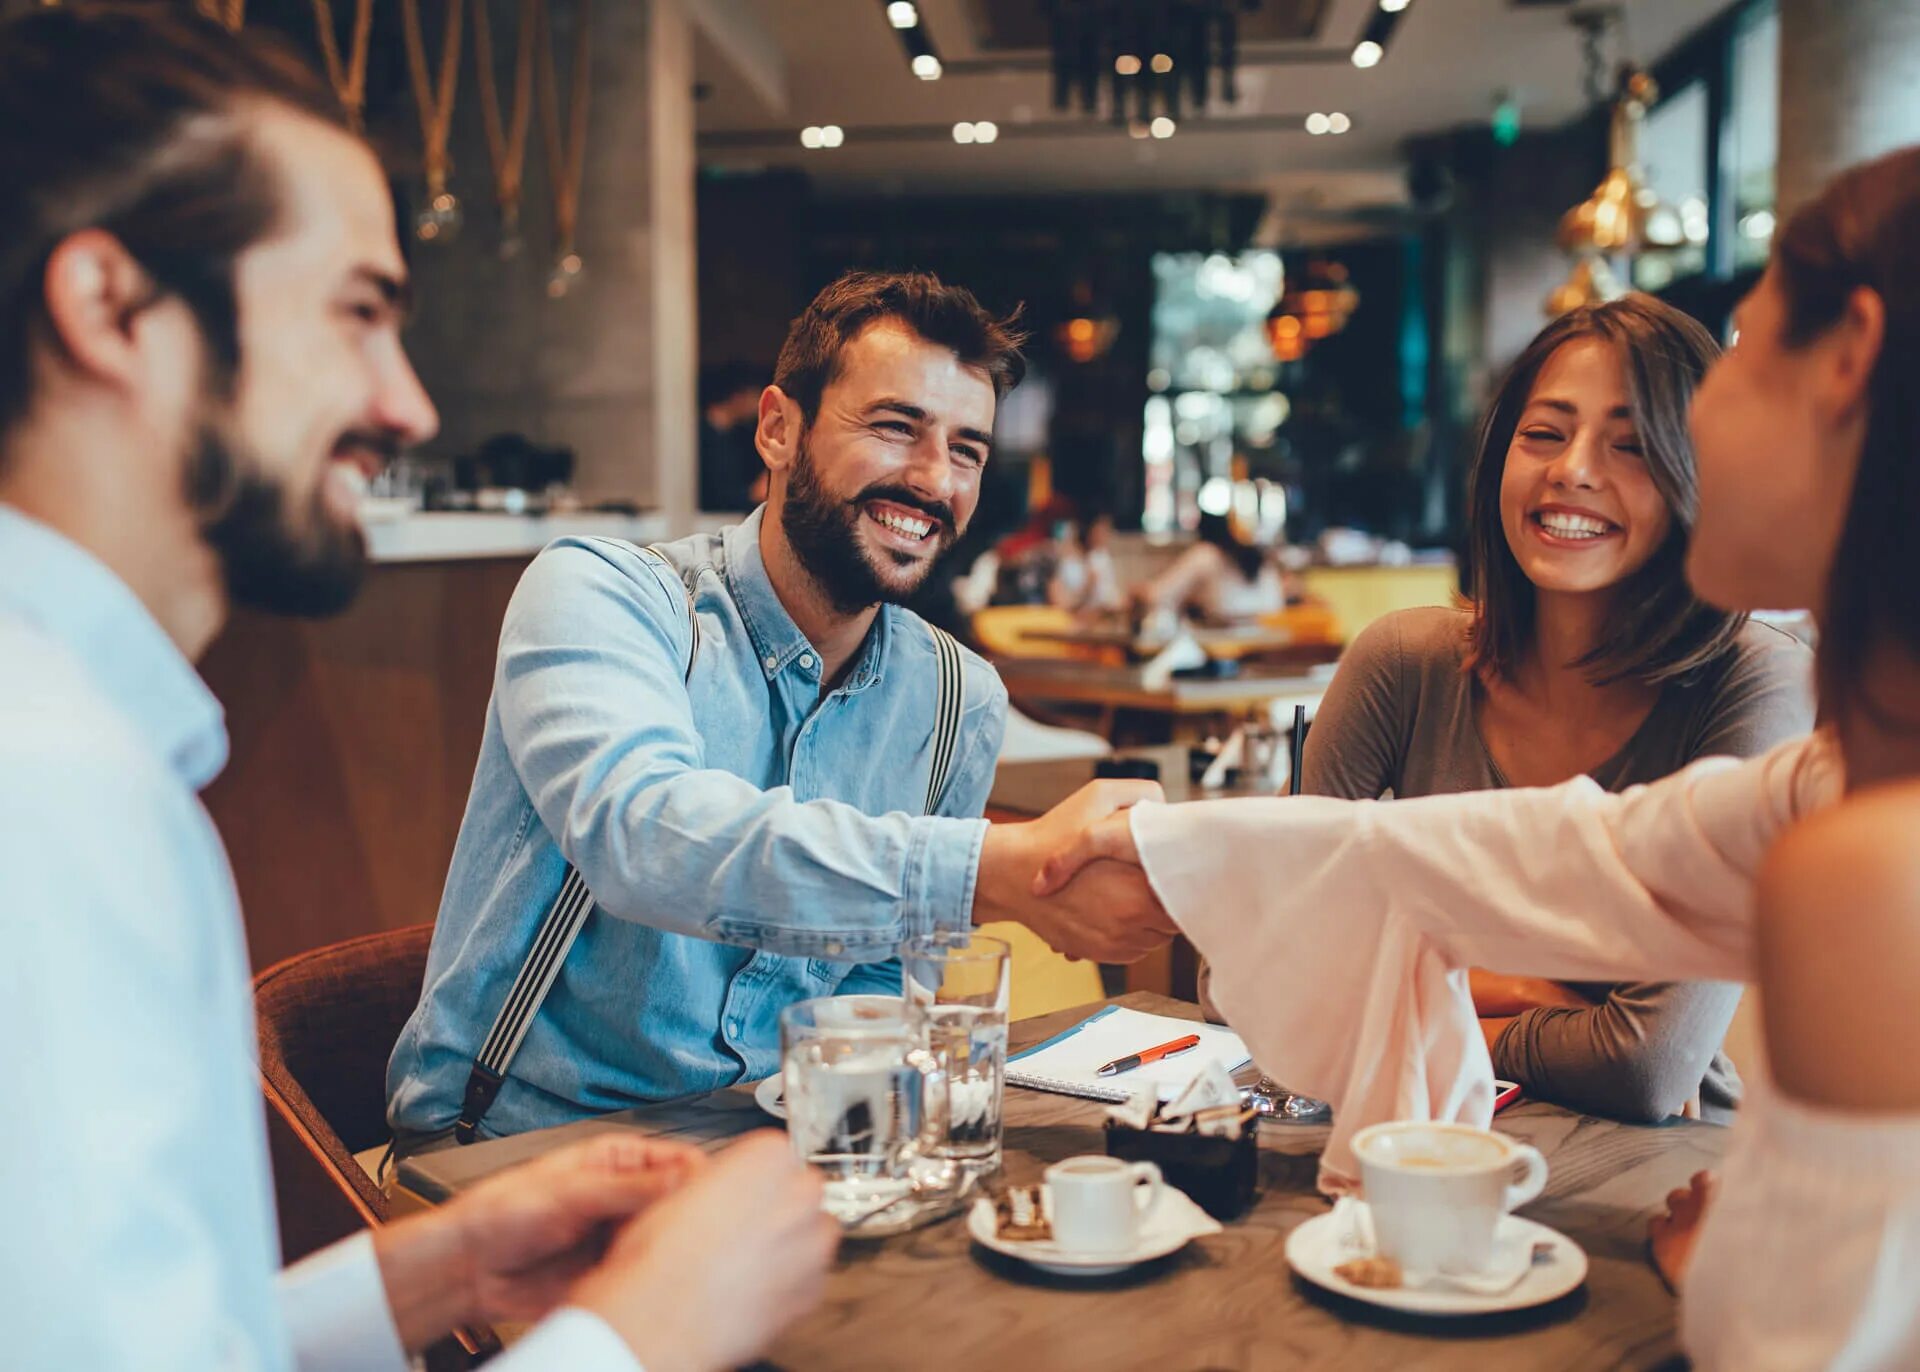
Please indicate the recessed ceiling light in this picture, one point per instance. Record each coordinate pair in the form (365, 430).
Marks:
(985, 131)
(963, 132)
(1126, 64)
(1317, 123)
(810, 137)
(1162, 63)
(832, 136)
(1162, 127)
(927, 67)
(1338, 123)
(902, 14)
(1394, 6)
(1367, 54)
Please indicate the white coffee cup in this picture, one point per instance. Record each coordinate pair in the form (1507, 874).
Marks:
(1098, 1203)
(1438, 1191)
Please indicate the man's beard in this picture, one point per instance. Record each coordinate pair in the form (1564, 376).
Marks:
(824, 532)
(271, 563)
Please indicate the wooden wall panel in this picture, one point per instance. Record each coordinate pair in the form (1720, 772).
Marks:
(354, 741)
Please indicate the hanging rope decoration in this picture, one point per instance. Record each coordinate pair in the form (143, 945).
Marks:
(349, 80)
(507, 143)
(565, 160)
(433, 97)
(232, 13)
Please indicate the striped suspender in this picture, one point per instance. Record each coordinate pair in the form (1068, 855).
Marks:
(564, 920)
(948, 708)
(568, 913)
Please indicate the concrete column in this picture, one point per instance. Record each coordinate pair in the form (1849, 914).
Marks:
(1849, 87)
(608, 369)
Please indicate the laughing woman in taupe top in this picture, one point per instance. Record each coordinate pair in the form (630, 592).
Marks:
(1583, 652)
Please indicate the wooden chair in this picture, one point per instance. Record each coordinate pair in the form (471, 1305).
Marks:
(327, 1021)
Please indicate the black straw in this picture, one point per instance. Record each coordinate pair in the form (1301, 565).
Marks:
(1299, 745)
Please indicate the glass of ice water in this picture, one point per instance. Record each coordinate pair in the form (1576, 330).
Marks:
(959, 984)
(857, 1080)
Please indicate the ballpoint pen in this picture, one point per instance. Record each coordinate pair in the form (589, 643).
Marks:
(1147, 1055)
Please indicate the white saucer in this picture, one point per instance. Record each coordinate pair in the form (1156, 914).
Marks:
(768, 1094)
(1313, 1253)
(1173, 1222)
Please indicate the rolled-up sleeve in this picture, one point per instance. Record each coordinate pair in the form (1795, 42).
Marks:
(594, 709)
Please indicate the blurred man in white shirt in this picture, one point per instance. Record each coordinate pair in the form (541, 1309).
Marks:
(200, 359)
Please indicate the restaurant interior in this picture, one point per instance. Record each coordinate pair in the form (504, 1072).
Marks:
(1269, 264)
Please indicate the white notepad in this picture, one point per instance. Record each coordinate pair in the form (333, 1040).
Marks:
(1068, 1063)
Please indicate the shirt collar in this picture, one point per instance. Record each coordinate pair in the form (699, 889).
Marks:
(777, 640)
(64, 591)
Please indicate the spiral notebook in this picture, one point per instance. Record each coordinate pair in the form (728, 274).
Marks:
(1068, 1063)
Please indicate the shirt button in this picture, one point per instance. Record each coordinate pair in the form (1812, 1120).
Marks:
(771, 661)
(806, 659)
(835, 948)
(733, 1027)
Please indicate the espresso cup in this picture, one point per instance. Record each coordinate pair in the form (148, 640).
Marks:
(1436, 1192)
(1098, 1203)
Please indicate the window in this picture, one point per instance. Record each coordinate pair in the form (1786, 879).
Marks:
(1753, 131)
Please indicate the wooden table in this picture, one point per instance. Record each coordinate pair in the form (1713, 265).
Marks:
(1232, 641)
(928, 1300)
(1182, 702)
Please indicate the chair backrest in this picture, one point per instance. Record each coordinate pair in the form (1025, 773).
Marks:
(328, 1021)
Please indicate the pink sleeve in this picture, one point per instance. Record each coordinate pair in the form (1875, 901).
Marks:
(1340, 932)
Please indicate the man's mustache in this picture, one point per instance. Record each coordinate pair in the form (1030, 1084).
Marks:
(379, 444)
(937, 510)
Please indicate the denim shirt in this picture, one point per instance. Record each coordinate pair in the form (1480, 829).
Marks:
(749, 842)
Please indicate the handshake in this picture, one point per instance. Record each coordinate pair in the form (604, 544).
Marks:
(1073, 877)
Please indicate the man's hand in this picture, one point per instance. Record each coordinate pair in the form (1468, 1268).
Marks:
(706, 1279)
(1108, 838)
(510, 1249)
(1105, 914)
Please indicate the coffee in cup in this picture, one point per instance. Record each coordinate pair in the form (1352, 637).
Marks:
(1438, 1191)
(1098, 1203)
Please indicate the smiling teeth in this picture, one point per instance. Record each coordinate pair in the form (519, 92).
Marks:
(913, 528)
(1573, 526)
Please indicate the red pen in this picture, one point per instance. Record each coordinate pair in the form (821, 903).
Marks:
(1147, 1055)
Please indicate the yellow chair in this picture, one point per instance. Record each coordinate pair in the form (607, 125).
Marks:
(1306, 624)
(1043, 980)
(1002, 630)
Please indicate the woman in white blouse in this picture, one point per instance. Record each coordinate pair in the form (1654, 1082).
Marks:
(1220, 578)
(1797, 871)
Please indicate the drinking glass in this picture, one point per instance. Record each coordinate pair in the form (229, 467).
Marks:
(959, 986)
(857, 1081)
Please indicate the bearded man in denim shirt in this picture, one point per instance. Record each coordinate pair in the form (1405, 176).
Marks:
(730, 738)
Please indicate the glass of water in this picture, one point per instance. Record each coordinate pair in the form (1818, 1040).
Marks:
(857, 1080)
(959, 985)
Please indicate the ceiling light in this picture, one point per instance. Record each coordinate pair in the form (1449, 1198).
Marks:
(1162, 127)
(832, 136)
(1394, 6)
(1162, 63)
(1126, 64)
(963, 132)
(902, 15)
(1367, 54)
(1317, 124)
(927, 67)
(1338, 123)
(985, 131)
(810, 137)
